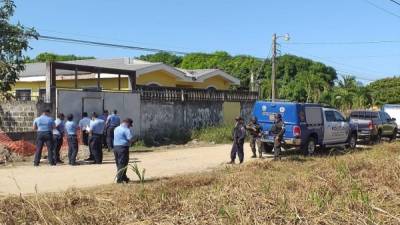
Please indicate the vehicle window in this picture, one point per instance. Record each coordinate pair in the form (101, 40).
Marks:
(388, 118)
(355, 115)
(330, 116)
(383, 116)
(339, 117)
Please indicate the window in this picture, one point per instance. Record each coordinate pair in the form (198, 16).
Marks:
(23, 95)
(330, 116)
(211, 89)
(153, 85)
(42, 95)
(339, 117)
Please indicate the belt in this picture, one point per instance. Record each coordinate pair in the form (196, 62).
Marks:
(72, 135)
(94, 134)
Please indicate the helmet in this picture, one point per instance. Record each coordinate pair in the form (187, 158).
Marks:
(279, 116)
(253, 119)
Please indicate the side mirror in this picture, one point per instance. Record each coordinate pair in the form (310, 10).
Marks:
(393, 119)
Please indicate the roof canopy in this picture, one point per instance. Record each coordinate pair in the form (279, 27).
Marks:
(37, 71)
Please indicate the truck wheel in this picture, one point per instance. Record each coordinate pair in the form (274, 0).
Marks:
(309, 147)
(267, 148)
(394, 136)
(352, 141)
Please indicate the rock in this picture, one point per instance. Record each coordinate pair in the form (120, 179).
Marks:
(5, 154)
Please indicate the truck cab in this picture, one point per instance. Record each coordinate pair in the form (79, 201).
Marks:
(306, 125)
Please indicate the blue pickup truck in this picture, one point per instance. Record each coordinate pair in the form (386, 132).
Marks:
(306, 126)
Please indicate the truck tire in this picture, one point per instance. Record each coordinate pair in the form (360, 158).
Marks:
(352, 142)
(267, 148)
(394, 136)
(310, 146)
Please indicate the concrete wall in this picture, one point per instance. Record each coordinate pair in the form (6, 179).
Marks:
(163, 118)
(16, 118)
(76, 102)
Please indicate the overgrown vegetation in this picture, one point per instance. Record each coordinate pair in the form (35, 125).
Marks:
(359, 187)
(48, 56)
(216, 134)
(298, 79)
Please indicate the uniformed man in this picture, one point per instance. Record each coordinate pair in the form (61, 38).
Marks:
(44, 125)
(254, 130)
(239, 133)
(58, 136)
(278, 129)
(96, 136)
(84, 125)
(71, 129)
(104, 117)
(112, 122)
(123, 137)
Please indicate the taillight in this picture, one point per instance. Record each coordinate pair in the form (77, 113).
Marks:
(296, 131)
(370, 125)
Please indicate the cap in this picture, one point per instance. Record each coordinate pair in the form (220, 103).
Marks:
(279, 116)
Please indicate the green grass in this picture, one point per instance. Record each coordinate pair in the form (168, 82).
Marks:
(218, 134)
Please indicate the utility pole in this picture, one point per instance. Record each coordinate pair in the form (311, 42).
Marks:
(273, 67)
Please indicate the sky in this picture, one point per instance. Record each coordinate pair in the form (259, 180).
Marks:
(340, 33)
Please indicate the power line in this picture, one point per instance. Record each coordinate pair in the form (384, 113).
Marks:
(344, 42)
(95, 43)
(395, 2)
(382, 9)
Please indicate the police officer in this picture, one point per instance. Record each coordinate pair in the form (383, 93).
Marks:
(278, 129)
(239, 133)
(112, 122)
(255, 130)
(96, 136)
(104, 117)
(122, 140)
(44, 125)
(58, 136)
(71, 129)
(84, 125)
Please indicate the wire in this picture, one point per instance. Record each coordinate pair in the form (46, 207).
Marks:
(395, 2)
(95, 43)
(343, 42)
(382, 9)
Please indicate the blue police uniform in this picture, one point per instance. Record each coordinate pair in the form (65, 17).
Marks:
(44, 126)
(58, 135)
(95, 142)
(122, 138)
(112, 122)
(84, 123)
(71, 128)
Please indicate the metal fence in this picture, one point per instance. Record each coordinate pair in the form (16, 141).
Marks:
(191, 94)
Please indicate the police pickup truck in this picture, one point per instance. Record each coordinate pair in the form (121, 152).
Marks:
(306, 126)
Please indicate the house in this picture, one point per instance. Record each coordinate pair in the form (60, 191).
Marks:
(32, 81)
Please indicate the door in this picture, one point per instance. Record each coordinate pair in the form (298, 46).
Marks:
(91, 105)
(343, 128)
(329, 127)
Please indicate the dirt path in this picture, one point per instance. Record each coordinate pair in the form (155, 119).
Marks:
(24, 178)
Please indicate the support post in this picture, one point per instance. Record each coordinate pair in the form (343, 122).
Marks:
(132, 81)
(76, 78)
(98, 81)
(51, 86)
(119, 82)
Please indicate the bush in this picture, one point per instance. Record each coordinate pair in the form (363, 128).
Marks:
(217, 134)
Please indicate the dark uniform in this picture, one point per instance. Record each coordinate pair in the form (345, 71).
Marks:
(278, 129)
(112, 122)
(71, 128)
(239, 133)
(254, 130)
(44, 125)
(95, 141)
(122, 140)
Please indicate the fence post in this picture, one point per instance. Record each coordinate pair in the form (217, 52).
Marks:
(182, 95)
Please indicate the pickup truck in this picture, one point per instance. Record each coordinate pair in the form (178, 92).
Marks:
(394, 112)
(371, 126)
(306, 126)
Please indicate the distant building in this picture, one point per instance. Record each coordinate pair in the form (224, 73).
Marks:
(32, 80)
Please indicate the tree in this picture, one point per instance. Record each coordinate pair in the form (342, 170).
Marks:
(48, 57)
(164, 57)
(13, 42)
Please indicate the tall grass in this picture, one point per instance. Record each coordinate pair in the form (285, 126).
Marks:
(217, 134)
(361, 187)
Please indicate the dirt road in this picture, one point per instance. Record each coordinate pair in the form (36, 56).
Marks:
(25, 178)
